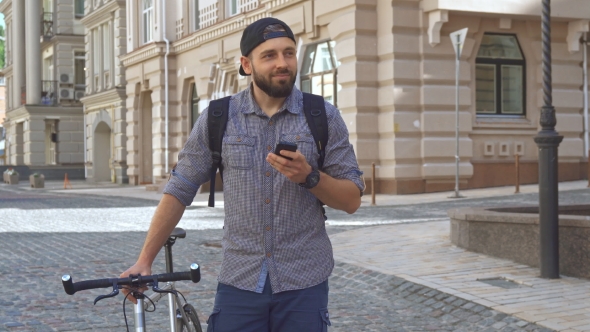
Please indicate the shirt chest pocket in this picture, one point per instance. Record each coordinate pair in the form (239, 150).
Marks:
(238, 151)
(305, 145)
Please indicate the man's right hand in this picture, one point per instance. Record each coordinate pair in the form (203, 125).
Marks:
(135, 270)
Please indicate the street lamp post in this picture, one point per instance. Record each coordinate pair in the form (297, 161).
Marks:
(548, 140)
(458, 39)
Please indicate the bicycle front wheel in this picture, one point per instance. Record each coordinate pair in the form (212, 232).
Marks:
(193, 319)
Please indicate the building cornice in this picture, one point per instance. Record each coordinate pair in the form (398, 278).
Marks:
(106, 99)
(574, 10)
(99, 15)
(276, 5)
(219, 30)
(146, 52)
(42, 111)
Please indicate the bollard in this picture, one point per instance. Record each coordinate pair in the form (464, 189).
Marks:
(373, 185)
(517, 166)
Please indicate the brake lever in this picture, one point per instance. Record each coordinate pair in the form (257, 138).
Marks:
(156, 289)
(114, 293)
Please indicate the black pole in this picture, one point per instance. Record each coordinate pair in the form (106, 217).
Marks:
(548, 140)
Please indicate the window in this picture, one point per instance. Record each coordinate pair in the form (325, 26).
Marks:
(500, 76)
(194, 105)
(148, 20)
(232, 7)
(319, 71)
(95, 52)
(79, 8)
(106, 46)
(79, 69)
(197, 13)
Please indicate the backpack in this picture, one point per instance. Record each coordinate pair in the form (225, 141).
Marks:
(315, 114)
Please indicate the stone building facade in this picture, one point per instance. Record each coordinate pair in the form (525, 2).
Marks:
(389, 66)
(105, 102)
(44, 72)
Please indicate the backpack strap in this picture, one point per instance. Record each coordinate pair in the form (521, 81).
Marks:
(317, 121)
(216, 123)
(315, 113)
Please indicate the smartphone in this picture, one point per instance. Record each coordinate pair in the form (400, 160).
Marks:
(285, 146)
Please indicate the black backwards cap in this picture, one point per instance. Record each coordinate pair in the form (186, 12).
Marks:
(254, 35)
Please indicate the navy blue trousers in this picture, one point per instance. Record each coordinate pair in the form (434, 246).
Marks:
(237, 310)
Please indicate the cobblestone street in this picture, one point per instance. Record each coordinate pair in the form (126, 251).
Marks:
(45, 235)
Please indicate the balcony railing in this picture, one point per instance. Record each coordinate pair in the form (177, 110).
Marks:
(49, 93)
(47, 25)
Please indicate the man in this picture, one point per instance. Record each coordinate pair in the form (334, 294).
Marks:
(277, 256)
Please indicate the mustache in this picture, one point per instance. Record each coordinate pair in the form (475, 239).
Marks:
(282, 71)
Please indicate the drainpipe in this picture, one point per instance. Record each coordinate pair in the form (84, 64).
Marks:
(85, 139)
(585, 71)
(165, 86)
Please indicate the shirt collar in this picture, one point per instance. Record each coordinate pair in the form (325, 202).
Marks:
(292, 102)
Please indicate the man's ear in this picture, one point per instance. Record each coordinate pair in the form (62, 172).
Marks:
(246, 64)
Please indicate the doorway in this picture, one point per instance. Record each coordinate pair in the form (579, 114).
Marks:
(102, 153)
(146, 164)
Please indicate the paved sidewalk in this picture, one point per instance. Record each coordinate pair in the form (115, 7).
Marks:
(422, 253)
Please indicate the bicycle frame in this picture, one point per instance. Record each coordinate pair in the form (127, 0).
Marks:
(173, 301)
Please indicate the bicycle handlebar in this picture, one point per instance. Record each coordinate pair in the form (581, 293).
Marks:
(71, 287)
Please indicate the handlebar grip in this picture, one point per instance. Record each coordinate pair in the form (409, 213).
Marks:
(195, 273)
(71, 288)
(66, 280)
(92, 284)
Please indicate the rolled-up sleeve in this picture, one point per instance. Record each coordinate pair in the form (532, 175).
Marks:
(340, 160)
(194, 164)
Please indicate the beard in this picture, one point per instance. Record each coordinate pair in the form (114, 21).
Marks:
(281, 89)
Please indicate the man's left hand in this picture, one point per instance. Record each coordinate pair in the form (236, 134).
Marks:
(295, 170)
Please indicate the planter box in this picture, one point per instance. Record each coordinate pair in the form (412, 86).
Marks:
(37, 181)
(12, 179)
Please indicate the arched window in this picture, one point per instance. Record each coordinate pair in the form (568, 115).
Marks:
(500, 76)
(319, 71)
(194, 105)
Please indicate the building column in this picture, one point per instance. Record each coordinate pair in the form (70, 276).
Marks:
(355, 34)
(33, 56)
(18, 51)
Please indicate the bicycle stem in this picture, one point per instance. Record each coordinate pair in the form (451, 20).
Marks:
(139, 316)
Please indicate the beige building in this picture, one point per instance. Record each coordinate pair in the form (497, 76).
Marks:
(44, 83)
(389, 66)
(104, 105)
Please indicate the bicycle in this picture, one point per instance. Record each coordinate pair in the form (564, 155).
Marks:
(184, 319)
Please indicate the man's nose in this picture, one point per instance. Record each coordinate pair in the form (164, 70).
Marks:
(281, 61)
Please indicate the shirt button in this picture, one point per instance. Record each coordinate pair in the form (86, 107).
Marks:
(268, 254)
(267, 200)
(239, 139)
(269, 148)
(268, 228)
(267, 174)
(270, 123)
(297, 137)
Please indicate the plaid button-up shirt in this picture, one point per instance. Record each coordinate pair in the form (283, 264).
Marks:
(271, 225)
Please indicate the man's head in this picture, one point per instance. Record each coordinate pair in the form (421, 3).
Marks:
(269, 54)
